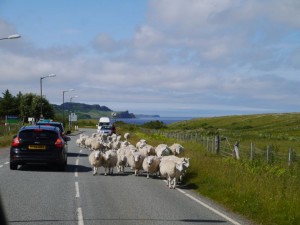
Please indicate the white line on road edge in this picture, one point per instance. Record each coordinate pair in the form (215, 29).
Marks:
(80, 216)
(77, 190)
(210, 208)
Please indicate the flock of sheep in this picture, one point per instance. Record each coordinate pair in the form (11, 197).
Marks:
(111, 151)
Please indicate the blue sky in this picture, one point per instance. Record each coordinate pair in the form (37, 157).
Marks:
(168, 57)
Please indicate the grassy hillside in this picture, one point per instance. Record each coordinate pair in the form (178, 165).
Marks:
(266, 193)
(279, 130)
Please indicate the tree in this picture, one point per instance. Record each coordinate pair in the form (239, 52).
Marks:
(30, 106)
(9, 105)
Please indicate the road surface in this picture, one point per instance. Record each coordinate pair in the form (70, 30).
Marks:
(39, 194)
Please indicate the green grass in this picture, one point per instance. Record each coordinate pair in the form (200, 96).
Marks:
(266, 193)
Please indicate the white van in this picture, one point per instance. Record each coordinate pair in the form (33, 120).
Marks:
(103, 121)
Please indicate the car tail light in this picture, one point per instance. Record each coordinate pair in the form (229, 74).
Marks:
(15, 142)
(59, 143)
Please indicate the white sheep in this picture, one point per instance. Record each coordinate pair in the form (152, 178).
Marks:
(81, 140)
(171, 171)
(146, 149)
(96, 144)
(185, 162)
(151, 165)
(176, 148)
(162, 150)
(96, 160)
(110, 159)
(135, 161)
(127, 136)
(121, 163)
(140, 142)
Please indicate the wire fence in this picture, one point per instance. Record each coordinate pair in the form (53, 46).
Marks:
(227, 147)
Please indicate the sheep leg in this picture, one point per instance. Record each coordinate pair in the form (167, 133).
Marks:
(95, 171)
(169, 181)
(174, 182)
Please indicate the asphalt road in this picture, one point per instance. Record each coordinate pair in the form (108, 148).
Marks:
(39, 194)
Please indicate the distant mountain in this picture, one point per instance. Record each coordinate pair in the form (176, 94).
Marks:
(85, 111)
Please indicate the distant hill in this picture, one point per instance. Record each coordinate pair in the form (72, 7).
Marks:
(85, 111)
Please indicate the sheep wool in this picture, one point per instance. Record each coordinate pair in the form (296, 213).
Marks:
(151, 165)
(171, 171)
(96, 160)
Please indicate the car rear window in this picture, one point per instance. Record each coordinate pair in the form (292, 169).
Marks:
(38, 135)
(52, 124)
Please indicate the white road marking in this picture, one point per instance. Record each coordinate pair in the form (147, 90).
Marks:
(6, 163)
(77, 162)
(208, 207)
(80, 216)
(77, 190)
(1, 166)
(76, 172)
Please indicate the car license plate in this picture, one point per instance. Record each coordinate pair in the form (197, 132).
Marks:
(37, 147)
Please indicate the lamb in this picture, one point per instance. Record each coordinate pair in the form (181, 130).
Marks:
(135, 161)
(176, 148)
(110, 159)
(151, 165)
(96, 160)
(162, 150)
(171, 171)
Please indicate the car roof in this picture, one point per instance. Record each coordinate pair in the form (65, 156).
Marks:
(49, 122)
(33, 127)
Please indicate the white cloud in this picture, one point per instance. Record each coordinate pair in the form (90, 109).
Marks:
(188, 57)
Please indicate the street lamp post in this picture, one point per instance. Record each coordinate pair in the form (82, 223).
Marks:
(14, 36)
(63, 105)
(70, 122)
(41, 86)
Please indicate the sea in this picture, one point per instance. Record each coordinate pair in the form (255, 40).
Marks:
(142, 120)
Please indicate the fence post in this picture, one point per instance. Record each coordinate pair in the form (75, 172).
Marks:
(236, 150)
(290, 156)
(217, 144)
(207, 143)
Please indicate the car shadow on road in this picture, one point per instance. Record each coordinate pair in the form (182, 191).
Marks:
(72, 154)
(52, 168)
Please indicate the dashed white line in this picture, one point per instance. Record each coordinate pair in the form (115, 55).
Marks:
(1, 166)
(77, 190)
(80, 216)
(76, 172)
(208, 207)
(6, 163)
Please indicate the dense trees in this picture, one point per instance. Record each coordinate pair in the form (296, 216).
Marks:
(24, 106)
